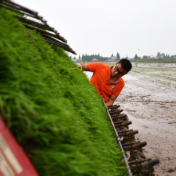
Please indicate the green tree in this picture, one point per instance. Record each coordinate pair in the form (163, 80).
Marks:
(136, 56)
(118, 56)
(145, 57)
(162, 55)
(158, 55)
(83, 58)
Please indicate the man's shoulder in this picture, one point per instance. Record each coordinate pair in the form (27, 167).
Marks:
(97, 65)
(121, 81)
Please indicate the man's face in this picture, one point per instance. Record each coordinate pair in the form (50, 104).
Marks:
(118, 70)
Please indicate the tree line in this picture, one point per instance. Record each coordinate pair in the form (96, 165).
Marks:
(158, 56)
(98, 57)
(94, 57)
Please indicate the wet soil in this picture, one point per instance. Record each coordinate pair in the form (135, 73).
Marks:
(151, 106)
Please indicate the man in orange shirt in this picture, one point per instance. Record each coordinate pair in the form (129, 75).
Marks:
(108, 80)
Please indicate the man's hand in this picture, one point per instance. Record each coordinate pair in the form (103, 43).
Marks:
(79, 65)
(83, 67)
(111, 100)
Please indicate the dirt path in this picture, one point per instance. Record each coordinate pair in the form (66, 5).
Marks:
(151, 106)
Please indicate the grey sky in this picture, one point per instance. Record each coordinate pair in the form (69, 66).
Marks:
(110, 26)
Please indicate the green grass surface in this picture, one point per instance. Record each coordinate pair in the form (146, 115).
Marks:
(51, 108)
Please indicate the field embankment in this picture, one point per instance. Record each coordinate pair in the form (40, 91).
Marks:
(154, 60)
(149, 99)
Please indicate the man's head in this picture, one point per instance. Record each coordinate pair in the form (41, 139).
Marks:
(121, 68)
(126, 64)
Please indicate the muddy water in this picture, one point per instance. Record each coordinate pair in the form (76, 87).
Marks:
(157, 65)
(152, 109)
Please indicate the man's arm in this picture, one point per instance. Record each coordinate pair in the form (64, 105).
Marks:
(83, 67)
(111, 100)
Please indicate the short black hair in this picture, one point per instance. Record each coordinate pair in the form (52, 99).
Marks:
(126, 64)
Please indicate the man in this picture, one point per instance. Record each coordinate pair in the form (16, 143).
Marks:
(108, 80)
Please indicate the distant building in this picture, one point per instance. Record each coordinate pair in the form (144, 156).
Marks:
(174, 56)
(94, 59)
(160, 57)
(113, 58)
(152, 57)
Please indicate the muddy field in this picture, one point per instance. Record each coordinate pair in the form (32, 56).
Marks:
(149, 100)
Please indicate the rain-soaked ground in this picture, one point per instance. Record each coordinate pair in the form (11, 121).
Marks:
(149, 100)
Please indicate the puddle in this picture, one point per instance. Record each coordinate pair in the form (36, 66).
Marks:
(169, 173)
(159, 128)
(157, 65)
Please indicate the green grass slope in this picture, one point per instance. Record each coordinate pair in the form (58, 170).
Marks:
(51, 108)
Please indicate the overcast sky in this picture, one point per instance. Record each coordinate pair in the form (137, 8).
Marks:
(105, 27)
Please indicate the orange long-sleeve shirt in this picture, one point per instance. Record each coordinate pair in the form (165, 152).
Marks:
(101, 75)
